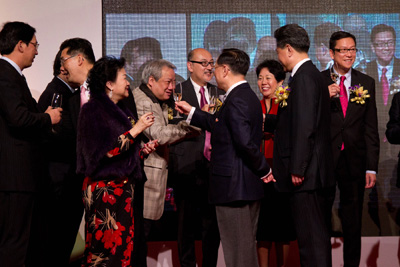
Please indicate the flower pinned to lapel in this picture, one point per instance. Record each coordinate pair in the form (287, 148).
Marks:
(359, 94)
(282, 93)
(218, 104)
(170, 114)
(394, 85)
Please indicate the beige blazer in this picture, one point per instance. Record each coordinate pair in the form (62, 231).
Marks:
(156, 164)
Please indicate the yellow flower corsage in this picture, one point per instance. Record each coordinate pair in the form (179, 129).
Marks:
(170, 114)
(359, 94)
(282, 93)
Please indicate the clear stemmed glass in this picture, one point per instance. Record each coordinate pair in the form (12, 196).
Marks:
(213, 100)
(178, 97)
(56, 101)
(334, 78)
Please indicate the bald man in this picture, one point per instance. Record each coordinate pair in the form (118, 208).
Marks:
(190, 167)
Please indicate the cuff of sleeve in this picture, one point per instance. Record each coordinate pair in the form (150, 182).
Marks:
(265, 176)
(189, 117)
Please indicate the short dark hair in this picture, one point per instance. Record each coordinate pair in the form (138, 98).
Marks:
(274, 67)
(79, 45)
(293, 35)
(144, 45)
(323, 32)
(382, 28)
(105, 69)
(12, 33)
(237, 60)
(336, 36)
(57, 64)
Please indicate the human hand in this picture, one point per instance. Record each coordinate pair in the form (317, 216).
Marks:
(269, 178)
(334, 90)
(183, 107)
(370, 180)
(142, 124)
(206, 108)
(150, 147)
(297, 180)
(55, 114)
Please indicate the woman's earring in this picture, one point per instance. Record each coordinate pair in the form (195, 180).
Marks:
(110, 94)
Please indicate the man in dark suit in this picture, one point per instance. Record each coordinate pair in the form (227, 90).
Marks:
(22, 128)
(355, 140)
(189, 168)
(61, 193)
(237, 165)
(302, 152)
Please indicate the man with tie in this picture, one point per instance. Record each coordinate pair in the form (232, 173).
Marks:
(22, 128)
(189, 167)
(302, 153)
(237, 166)
(355, 139)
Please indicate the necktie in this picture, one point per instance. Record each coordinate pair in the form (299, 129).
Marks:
(84, 98)
(385, 86)
(207, 141)
(343, 95)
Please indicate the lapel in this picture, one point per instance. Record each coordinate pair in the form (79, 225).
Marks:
(355, 80)
(189, 95)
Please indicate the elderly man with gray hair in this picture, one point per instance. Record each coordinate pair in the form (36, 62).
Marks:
(154, 95)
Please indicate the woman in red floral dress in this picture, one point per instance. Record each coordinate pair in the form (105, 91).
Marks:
(109, 155)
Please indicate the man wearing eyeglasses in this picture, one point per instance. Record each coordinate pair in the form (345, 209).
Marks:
(355, 139)
(189, 167)
(22, 127)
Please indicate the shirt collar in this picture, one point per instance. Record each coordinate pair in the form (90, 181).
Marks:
(298, 65)
(233, 87)
(12, 64)
(69, 87)
(388, 67)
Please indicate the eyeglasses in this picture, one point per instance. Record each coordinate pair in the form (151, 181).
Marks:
(204, 63)
(390, 43)
(346, 50)
(36, 45)
(62, 60)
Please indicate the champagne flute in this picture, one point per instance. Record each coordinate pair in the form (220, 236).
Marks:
(334, 78)
(178, 97)
(213, 100)
(56, 101)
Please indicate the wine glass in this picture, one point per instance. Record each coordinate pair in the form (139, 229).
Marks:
(213, 100)
(334, 77)
(178, 97)
(56, 101)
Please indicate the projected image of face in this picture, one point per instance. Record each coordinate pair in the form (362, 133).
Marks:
(384, 46)
(344, 55)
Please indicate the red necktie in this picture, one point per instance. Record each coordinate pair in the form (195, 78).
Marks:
(343, 95)
(207, 141)
(385, 86)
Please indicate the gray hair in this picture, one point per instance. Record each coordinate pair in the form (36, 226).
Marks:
(154, 68)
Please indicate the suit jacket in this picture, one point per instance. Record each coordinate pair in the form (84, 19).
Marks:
(302, 137)
(22, 127)
(60, 147)
(388, 151)
(358, 130)
(393, 128)
(236, 161)
(187, 157)
(155, 165)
